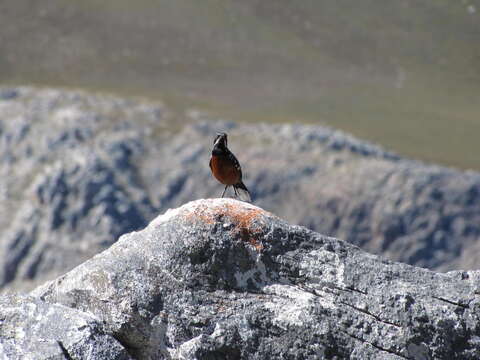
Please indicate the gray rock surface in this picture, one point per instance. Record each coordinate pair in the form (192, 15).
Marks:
(222, 279)
(78, 170)
(34, 330)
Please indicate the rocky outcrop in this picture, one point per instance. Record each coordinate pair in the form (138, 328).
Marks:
(78, 170)
(222, 279)
(33, 329)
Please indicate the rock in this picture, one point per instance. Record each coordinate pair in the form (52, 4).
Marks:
(33, 329)
(78, 170)
(223, 279)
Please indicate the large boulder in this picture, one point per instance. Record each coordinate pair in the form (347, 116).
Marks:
(223, 279)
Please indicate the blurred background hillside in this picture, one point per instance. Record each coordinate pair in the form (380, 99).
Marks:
(403, 73)
(107, 111)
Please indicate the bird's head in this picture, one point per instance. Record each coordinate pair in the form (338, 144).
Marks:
(220, 140)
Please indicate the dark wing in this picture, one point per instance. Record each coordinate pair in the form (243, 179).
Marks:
(243, 192)
(210, 164)
(235, 163)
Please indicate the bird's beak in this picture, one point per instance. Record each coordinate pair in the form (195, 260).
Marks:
(221, 136)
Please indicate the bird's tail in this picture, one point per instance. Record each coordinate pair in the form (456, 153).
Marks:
(243, 192)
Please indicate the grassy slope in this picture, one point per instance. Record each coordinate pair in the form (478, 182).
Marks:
(403, 73)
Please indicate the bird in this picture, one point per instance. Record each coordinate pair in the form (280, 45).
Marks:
(226, 168)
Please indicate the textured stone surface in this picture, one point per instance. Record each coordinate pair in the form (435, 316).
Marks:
(33, 329)
(222, 279)
(78, 170)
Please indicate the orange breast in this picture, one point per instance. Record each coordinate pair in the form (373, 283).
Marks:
(224, 171)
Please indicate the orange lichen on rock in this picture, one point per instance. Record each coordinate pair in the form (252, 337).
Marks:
(248, 221)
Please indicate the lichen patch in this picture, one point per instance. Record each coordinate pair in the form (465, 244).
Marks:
(249, 222)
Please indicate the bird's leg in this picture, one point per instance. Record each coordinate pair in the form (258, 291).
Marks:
(226, 186)
(235, 190)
